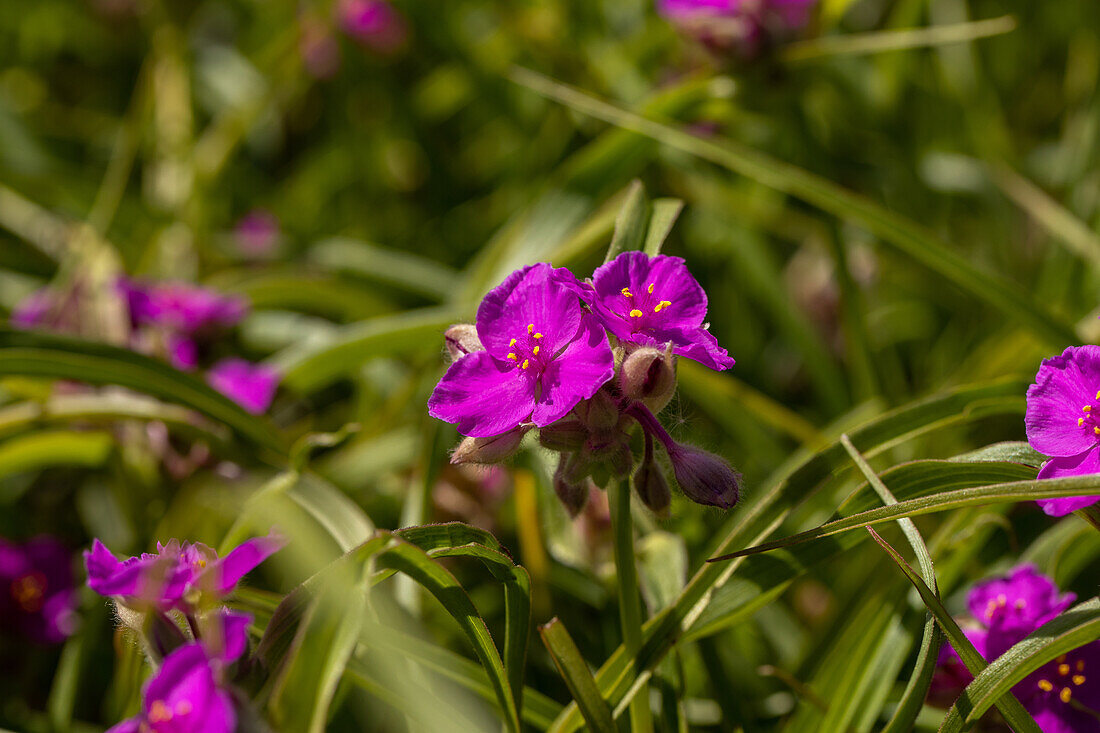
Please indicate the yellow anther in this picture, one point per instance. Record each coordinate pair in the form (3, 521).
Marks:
(511, 343)
(663, 304)
(1098, 395)
(513, 357)
(1080, 421)
(1001, 601)
(650, 291)
(159, 712)
(1063, 669)
(627, 293)
(1080, 665)
(201, 563)
(538, 335)
(530, 328)
(1096, 430)
(1045, 686)
(183, 707)
(1087, 408)
(1061, 659)
(526, 363)
(1065, 694)
(635, 313)
(1078, 679)
(535, 351)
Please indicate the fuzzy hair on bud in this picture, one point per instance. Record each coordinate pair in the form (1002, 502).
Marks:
(600, 412)
(704, 477)
(573, 494)
(494, 449)
(652, 487)
(649, 376)
(462, 339)
(564, 436)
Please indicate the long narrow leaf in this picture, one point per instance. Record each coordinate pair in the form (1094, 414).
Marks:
(571, 665)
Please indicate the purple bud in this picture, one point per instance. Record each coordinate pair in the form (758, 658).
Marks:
(704, 477)
(462, 339)
(650, 482)
(573, 494)
(649, 376)
(564, 436)
(493, 449)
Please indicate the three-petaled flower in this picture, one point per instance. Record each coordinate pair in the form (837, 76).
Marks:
(1063, 420)
(543, 354)
(37, 597)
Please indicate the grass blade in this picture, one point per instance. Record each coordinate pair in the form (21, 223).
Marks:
(567, 658)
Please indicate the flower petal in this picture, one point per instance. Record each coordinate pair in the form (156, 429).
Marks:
(1085, 464)
(532, 295)
(699, 344)
(1063, 386)
(224, 574)
(483, 396)
(575, 374)
(110, 577)
(671, 280)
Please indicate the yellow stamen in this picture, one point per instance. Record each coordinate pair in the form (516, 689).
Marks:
(1061, 659)
(1080, 665)
(1078, 679)
(635, 313)
(535, 351)
(511, 343)
(663, 304)
(183, 707)
(513, 357)
(159, 712)
(1063, 669)
(1001, 601)
(1065, 694)
(526, 363)
(1087, 408)
(650, 291)
(538, 335)
(1019, 604)
(627, 293)
(1045, 686)
(201, 563)
(1098, 395)
(530, 328)
(1096, 430)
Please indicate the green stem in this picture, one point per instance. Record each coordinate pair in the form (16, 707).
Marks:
(630, 608)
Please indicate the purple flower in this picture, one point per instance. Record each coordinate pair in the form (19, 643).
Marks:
(37, 597)
(1063, 422)
(252, 386)
(744, 25)
(375, 24)
(181, 308)
(169, 578)
(543, 354)
(257, 232)
(654, 301)
(33, 310)
(1059, 695)
(188, 694)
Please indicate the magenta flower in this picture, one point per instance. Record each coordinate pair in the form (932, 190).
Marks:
(653, 301)
(252, 386)
(742, 25)
(1064, 695)
(543, 354)
(33, 310)
(374, 23)
(169, 578)
(257, 232)
(180, 307)
(37, 596)
(1062, 421)
(188, 694)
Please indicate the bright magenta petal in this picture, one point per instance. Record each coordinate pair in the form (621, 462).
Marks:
(1081, 465)
(483, 396)
(1059, 416)
(531, 300)
(224, 574)
(576, 374)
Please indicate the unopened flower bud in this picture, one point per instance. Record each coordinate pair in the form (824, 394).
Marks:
(652, 487)
(621, 460)
(600, 412)
(573, 494)
(493, 449)
(163, 635)
(564, 436)
(462, 339)
(649, 376)
(704, 477)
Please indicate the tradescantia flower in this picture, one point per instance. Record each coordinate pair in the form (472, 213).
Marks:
(37, 596)
(252, 386)
(741, 25)
(654, 301)
(1063, 421)
(375, 24)
(189, 694)
(1064, 695)
(176, 573)
(542, 355)
(181, 307)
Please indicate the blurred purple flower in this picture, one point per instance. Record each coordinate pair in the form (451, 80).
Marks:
(257, 232)
(653, 301)
(252, 386)
(319, 50)
(1064, 695)
(33, 310)
(37, 596)
(543, 354)
(188, 693)
(742, 25)
(165, 579)
(375, 24)
(1063, 421)
(182, 308)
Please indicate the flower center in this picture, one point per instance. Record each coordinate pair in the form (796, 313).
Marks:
(526, 352)
(29, 591)
(642, 308)
(1069, 675)
(1089, 417)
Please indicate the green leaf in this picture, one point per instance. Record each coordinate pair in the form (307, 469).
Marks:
(665, 213)
(1012, 450)
(1007, 703)
(573, 669)
(630, 225)
(59, 357)
(35, 451)
(903, 235)
(1074, 628)
(391, 266)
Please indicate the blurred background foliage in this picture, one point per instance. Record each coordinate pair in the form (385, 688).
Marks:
(402, 183)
